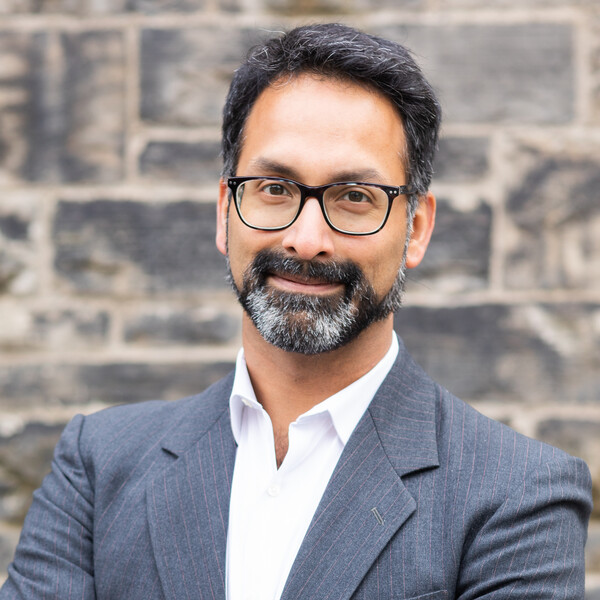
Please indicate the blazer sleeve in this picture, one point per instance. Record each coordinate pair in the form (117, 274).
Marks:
(532, 546)
(54, 558)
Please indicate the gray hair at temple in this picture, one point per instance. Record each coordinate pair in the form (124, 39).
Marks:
(339, 51)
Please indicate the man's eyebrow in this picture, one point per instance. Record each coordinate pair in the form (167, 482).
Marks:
(276, 169)
(366, 175)
(267, 166)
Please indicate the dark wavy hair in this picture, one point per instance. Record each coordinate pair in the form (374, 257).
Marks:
(335, 50)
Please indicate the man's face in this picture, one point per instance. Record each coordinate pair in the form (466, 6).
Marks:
(308, 288)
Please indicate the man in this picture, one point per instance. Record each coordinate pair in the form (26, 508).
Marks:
(328, 465)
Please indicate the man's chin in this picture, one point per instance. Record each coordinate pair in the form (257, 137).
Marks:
(295, 303)
(301, 323)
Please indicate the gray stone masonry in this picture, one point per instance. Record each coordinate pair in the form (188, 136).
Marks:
(105, 247)
(111, 288)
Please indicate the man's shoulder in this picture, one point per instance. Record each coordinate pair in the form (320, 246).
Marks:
(461, 432)
(425, 428)
(202, 407)
(465, 433)
(122, 434)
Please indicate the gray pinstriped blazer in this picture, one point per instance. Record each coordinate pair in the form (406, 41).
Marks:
(136, 507)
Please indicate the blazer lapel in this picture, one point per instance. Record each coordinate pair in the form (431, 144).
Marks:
(366, 501)
(188, 512)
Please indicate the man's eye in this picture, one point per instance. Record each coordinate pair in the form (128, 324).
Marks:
(356, 196)
(275, 189)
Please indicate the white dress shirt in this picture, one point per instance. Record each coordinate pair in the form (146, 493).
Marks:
(271, 509)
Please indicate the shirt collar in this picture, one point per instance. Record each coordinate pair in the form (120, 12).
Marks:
(345, 408)
(242, 395)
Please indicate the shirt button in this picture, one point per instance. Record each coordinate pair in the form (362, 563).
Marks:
(273, 490)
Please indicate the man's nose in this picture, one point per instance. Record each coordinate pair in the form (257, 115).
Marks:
(310, 235)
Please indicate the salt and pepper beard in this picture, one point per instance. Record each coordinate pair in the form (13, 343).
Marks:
(308, 323)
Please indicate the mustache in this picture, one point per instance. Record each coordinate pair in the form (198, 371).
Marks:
(270, 262)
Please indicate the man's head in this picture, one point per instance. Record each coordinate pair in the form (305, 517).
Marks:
(338, 51)
(321, 108)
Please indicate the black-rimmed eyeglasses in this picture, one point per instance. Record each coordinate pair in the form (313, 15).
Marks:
(353, 208)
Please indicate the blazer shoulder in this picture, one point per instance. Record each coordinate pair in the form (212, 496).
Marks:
(462, 428)
(133, 430)
(202, 407)
(458, 431)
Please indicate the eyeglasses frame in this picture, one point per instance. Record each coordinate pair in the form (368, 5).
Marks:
(317, 192)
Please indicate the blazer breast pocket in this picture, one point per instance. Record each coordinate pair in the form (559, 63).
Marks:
(441, 595)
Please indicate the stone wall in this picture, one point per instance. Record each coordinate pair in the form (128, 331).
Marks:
(111, 289)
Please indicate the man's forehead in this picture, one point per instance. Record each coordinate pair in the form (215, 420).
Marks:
(339, 80)
(315, 114)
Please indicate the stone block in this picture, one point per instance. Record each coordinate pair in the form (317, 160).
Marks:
(581, 438)
(25, 459)
(577, 436)
(594, 69)
(533, 353)
(28, 452)
(11, 269)
(370, 5)
(306, 7)
(23, 386)
(461, 159)
(62, 106)
(19, 51)
(52, 329)
(554, 223)
(592, 548)
(474, 4)
(517, 73)
(195, 326)
(197, 163)
(103, 7)
(18, 245)
(14, 227)
(336, 7)
(458, 256)
(16, 7)
(9, 536)
(592, 593)
(124, 247)
(185, 73)
(149, 7)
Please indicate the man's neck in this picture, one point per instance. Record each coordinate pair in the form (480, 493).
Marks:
(288, 384)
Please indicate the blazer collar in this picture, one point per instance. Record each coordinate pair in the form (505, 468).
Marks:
(196, 416)
(404, 415)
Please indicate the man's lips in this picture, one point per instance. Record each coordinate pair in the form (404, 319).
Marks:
(295, 283)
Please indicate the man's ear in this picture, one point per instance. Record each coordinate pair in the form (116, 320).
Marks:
(222, 209)
(422, 228)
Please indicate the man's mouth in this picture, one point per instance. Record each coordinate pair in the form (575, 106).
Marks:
(300, 284)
